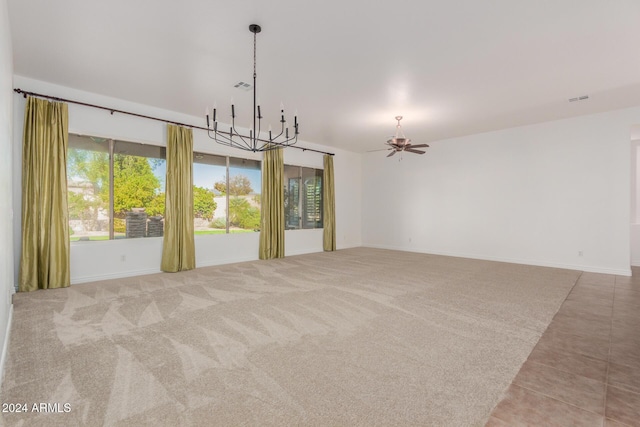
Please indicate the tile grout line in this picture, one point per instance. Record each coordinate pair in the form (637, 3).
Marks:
(539, 393)
(606, 379)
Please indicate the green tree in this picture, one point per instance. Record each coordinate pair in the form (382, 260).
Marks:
(239, 185)
(203, 203)
(91, 167)
(85, 209)
(91, 170)
(242, 214)
(156, 206)
(135, 186)
(221, 187)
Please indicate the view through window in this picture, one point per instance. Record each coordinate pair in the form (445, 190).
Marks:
(116, 189)
(235, 184)
(302, 197)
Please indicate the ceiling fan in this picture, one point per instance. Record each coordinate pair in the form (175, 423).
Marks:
(401, 143)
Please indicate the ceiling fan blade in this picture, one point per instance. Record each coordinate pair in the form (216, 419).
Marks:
(419, 145)
(411, 150)
(381, 149)
(391, 153)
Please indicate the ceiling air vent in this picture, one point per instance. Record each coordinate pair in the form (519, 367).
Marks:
(579, 98)
(243, 85)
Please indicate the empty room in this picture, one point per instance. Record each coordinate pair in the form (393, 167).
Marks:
(419, 213)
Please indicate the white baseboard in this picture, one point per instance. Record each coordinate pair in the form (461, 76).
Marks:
(304, 251)
(119, 275)
(590, 269)
(338, 247)
(214, 261)
(5, 346)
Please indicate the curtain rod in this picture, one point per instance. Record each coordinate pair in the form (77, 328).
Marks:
(114, 110)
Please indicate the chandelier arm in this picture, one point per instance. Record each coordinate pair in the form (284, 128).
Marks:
(244, 141)
(282, 122)
(277, 144)
(239, 135)
(222, 135)
(222, 139)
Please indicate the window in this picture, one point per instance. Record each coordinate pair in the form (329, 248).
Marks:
(209, 198)
(235, 185)
(115, 189)
(302, 197)
(245, 185)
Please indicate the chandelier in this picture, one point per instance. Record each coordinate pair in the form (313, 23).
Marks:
(253, 142)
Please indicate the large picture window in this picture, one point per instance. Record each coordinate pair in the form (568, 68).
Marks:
(302, 197)
(235, 185)
(115, 188)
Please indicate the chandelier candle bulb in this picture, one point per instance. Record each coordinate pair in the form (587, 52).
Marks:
(206, 112)
(259, 115)
(233, 111)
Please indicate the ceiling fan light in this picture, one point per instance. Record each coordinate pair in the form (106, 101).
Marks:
(401, 143)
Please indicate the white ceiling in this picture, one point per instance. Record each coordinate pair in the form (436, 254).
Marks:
(451, 68)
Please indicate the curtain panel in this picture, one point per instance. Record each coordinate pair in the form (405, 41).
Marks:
(328, 206)
(178, 247)
(272, 218)
(44, 260)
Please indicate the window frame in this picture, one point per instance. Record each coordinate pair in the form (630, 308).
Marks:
(228, 166)
(112, 150)
(303, 224)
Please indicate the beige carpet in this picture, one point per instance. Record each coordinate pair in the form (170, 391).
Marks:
(355, 337)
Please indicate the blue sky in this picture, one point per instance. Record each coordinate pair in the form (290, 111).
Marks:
(207, 175)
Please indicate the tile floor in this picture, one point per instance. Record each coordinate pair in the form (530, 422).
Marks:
(585, 370)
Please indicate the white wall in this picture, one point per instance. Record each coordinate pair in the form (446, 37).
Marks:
(119, 258)
(6, 206)
(635, 198)
(536, 194)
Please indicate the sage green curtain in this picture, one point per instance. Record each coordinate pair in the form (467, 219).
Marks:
(44, 261)
(178, 247)
(272, 205)
(328, 205)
